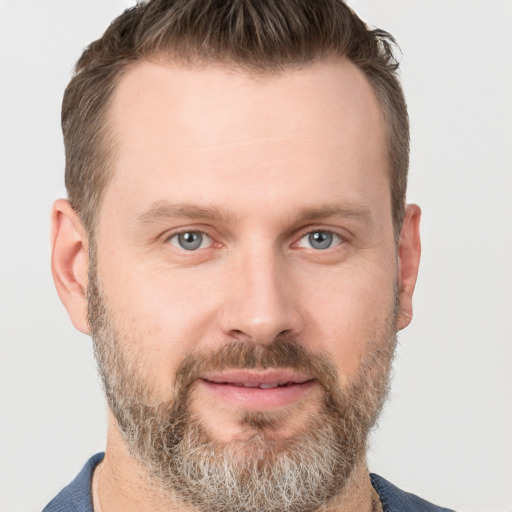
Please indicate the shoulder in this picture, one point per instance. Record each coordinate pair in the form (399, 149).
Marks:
(395, 500)
(76, 497)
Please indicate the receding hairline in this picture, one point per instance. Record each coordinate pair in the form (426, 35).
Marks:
(111, 138)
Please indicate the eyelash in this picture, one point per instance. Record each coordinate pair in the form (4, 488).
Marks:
(336, 239)
(192, 232)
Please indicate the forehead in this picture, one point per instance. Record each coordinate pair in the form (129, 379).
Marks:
(188, 129)
(320, 95)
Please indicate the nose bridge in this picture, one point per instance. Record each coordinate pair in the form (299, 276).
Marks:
(260, 306)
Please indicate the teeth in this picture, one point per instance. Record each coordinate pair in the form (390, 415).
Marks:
(268, 386)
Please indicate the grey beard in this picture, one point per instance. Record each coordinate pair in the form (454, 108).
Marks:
(260, 473)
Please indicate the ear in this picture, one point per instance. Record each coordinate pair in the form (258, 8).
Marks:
(70, 262)
(409, 251)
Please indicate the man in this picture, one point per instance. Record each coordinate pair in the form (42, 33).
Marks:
(236, 242)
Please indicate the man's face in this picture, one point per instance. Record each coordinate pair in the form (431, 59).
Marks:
(245, 266)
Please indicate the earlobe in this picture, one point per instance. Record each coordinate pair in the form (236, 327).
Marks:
(70, 262)
(409, 251)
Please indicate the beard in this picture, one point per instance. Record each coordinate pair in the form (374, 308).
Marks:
(261, 472)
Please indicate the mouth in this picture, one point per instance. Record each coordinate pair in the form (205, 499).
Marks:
(258, 390)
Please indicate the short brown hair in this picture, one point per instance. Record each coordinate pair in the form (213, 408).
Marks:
(258, 35)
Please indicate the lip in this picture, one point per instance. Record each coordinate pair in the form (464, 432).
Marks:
(258, 390)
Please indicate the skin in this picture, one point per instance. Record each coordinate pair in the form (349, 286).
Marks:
(268, 159)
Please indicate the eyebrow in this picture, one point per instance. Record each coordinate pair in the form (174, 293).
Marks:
(356, 211)
(162, 210)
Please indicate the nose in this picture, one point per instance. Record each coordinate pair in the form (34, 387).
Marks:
(261, 300)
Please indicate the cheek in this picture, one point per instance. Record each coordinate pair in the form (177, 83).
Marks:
(159, 317)
(348, 312)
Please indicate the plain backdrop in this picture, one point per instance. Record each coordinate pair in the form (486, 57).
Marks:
(446, 433)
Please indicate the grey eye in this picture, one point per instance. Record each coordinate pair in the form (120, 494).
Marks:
(320, 240)
(190, 240)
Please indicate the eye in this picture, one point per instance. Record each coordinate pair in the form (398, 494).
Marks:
(320, 240)
(190, 240)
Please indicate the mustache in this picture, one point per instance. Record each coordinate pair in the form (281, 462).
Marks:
(281, 353)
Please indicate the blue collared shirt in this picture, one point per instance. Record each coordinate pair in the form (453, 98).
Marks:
(77, 497)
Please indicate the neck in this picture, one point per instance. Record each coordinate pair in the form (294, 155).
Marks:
(122, 483)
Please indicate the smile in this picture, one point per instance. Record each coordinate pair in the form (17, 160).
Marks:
(258, 390)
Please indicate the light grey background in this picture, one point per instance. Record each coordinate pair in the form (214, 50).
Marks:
(446, 434)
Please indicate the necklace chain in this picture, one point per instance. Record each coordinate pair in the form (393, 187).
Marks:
(376, 503)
